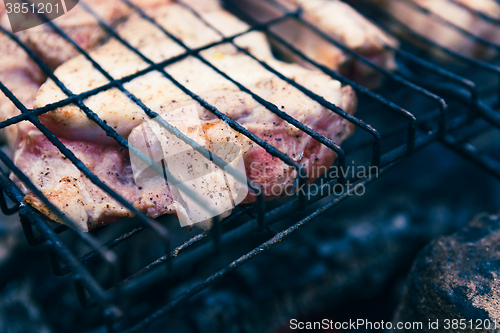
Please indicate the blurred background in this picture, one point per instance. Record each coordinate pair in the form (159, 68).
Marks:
(349, 263)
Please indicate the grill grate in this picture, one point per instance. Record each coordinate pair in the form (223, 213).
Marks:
(385, 20)
(418, 133)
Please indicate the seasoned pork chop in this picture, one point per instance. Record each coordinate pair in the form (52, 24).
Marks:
(69, 190)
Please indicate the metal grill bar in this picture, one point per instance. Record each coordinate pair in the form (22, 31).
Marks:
(137, 229)
(62, 270)
(479, 106)
(464, 32)
(52, 240)
(380, 13)
(468, 84)
(477, 13)
(26, 181)
(473, 154)
(6, 210)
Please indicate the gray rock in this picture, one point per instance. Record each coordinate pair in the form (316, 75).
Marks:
(456, 279)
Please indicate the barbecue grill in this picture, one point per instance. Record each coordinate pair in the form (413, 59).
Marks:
(425, 101)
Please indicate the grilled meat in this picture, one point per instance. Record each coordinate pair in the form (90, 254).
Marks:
(337, 20)
(457, 12)
(78, 197)
(23, 78)
(75, 195)
(80, 26)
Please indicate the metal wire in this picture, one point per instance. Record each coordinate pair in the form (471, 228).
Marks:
(380, 15)
(444, 21)
(482, 15)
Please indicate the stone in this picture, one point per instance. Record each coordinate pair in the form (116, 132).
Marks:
(455, 282)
